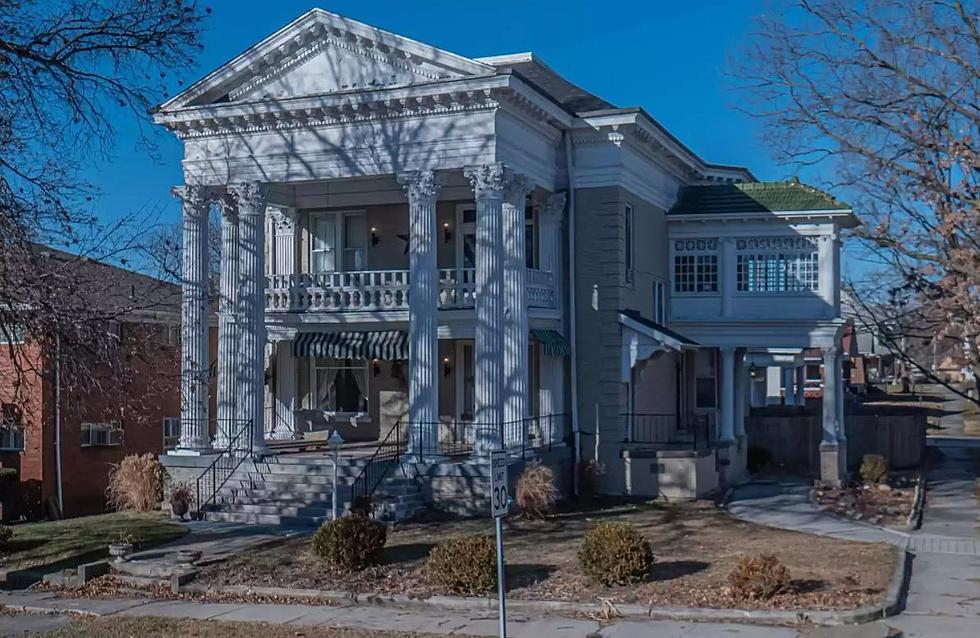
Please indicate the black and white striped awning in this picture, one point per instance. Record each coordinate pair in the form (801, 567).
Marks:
(388, 345)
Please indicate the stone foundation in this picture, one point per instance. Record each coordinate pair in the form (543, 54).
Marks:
(833, 463)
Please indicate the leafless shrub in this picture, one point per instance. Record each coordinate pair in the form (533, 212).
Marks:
(536, 493)
(136, 483)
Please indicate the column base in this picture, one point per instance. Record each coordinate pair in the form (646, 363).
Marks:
(833, 463)
(726, 451)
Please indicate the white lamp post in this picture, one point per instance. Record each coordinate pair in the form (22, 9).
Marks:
(335, 442)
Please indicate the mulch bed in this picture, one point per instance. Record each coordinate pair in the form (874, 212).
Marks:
(695, 545)
(888, 504)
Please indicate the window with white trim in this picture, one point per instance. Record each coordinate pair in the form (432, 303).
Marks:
(659, 302)
(628, 227)
(696, 266)
(777, 264)
(171, 432)
(11, 427)
(101, 434)
(338, 242)
(170, 335)
(340, 385)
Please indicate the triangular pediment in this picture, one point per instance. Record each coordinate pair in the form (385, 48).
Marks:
(322, 52)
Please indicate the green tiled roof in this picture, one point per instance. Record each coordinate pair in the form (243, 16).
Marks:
(754, 197)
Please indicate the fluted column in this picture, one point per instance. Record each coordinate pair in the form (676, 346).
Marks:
(227, 327)
(550, 246)
(284, 222)
(251, 199)
(488, 186)
(789, 394)
(423, 188)
(283, 258)
(516, 189)
(194, 434)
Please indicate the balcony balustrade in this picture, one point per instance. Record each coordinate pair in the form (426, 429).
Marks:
(376, 290)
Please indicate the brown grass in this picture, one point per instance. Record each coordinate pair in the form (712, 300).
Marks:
(136, 483)
(696, 546)
(536, 493)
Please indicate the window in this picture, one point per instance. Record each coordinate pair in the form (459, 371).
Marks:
(705, 392)
(11, 427)
(11, 334)
(777, 264)
(659, 302)
(171, 432)
(170, 335)
(628, 228)
(101, 434)
(338, 242)
(696, 265)
(341, 385)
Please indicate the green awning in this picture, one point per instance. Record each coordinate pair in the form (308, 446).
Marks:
(388, 345)
(552, 342)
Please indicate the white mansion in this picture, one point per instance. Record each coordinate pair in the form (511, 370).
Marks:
(425, 246)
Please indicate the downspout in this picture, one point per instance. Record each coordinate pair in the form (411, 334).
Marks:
(572, 319)
(57, 422)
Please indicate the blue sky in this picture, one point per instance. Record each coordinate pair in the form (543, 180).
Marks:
(668, 57)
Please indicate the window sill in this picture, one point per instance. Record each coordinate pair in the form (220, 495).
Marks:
(11, 449)
(98, 445)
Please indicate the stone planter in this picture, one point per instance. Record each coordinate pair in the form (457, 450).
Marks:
(118, 550)
(179, 508)
(188, 556)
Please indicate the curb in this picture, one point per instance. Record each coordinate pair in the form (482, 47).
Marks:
(892, 604)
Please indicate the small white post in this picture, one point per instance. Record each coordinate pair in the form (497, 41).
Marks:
(335, 442)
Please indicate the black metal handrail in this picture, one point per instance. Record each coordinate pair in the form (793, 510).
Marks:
(224, 465)
(388, 453)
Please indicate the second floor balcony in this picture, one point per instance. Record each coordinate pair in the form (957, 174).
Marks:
(380, 290)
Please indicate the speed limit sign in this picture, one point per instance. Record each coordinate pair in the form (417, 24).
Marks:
(499, 498)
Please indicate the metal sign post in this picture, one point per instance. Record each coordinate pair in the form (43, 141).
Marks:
(499, 502)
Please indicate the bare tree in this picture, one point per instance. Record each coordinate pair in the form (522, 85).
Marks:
(883, 96)
(70, 71)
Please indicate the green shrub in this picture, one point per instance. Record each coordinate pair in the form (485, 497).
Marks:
(8, 474)
(615, 554)
(758, 578)
(874, 468)
(536, 493)
(350, 543)
(464, 565)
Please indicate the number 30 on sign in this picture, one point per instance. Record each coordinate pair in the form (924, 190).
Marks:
(499, 498)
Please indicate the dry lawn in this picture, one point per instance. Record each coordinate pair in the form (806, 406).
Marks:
(695, 546)
(122, 627)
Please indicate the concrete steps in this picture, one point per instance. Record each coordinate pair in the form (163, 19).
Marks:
(298, 491)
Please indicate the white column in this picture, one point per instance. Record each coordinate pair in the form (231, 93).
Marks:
(488, 186)
(841, 388)
(801, 385)
(789, 396)
(828, 260)
(550, 245)
(552, 394)
(228, 342)
(251, 198)
(194, 433)
(728, 279)
(741, 392)
(284, 222)
(727, 424)
(423, 305)
(516, 189)
(283, 427)
(831, 388)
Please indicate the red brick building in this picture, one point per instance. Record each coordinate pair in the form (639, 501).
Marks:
(115, 412)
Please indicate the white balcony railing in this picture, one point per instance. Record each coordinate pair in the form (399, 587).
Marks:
(385, 290)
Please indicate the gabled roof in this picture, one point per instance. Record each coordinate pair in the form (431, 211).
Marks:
(572, 97)
(393, 56)
(755, 197)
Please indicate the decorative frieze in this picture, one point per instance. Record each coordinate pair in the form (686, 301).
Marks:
(696, 245)
(792, 243)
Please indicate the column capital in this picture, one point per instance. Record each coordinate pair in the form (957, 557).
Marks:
(228, 207)
(487, 180)
(553, 210)
(831, 352)
(516, 188)
(195, 198)
(250, 197)
(284, 219)
(421, 185)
